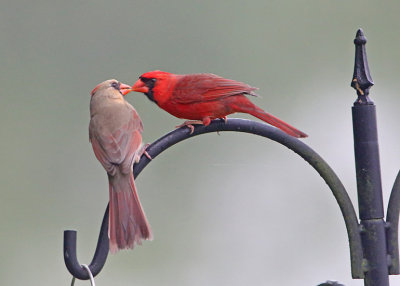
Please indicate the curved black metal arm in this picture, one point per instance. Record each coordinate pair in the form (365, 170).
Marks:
(392, 218)
(247, 126)
(100, 255)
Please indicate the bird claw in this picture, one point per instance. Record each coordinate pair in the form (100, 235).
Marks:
(143, 151)
(189, 124)
(191, 128)
(147, 155)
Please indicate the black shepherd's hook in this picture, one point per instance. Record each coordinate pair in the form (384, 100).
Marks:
(238, 125)
(100, 255)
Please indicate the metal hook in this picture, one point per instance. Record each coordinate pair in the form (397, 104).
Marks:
(100, 256)
(237, 125)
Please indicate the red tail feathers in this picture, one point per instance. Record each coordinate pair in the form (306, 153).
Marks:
(127, 222)
(246, 106)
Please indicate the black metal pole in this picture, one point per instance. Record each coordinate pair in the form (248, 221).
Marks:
(368, 172)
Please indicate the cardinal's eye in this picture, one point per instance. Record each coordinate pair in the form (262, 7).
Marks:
(115, 84)
(153, 80)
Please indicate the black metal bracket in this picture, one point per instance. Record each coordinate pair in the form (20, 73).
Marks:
(238, 125)
(379, 238)
(374, 247)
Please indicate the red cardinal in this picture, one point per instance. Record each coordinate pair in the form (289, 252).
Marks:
(203, 97)
(115, 131)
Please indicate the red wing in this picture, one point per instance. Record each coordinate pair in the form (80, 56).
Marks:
(207, 87)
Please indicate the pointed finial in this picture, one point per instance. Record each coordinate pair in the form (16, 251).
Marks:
(362, 80)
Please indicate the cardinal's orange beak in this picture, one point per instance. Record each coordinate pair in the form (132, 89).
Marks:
(140, 86)
(125, 89)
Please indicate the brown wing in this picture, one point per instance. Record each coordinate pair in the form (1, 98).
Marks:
(194, 88)
(116, 146)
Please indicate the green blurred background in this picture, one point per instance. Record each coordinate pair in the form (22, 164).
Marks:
(233, 209)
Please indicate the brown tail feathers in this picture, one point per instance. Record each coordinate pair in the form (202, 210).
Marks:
(128, 225)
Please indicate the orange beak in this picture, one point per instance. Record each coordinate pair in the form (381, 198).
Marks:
(125, 89)
(140, 86)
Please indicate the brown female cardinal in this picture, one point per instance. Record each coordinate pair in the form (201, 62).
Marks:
(115, 131)
(203, 97)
